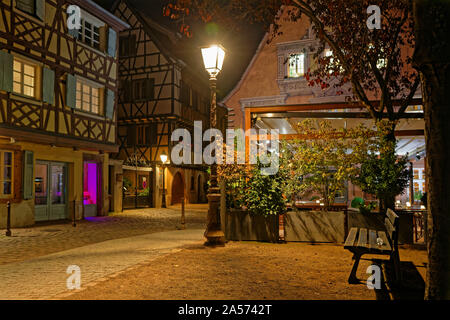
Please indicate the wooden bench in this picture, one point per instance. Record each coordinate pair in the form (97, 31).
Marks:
(362, 241)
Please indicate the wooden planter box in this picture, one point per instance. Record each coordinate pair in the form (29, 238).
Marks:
(244, 226)
(315, 226)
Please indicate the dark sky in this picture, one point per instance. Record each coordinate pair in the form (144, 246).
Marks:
(240, 46)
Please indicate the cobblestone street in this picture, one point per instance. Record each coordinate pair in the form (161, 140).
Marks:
(44, 239)
(33, 262)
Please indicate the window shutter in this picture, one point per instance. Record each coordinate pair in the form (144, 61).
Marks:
(149, 89)
(40, 9)
(48, 87)
(28, 165)
(6, 71)
(109, 104)
(112, 39)
(71, 91)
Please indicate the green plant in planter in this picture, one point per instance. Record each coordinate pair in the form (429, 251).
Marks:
(382, 172)
(144, 193)
(263, 194)
(322, 162)
(359, 203)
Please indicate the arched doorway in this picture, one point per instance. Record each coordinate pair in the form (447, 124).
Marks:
(177, 188)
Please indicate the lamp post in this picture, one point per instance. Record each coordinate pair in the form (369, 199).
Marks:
(213, 57)
(163, 157)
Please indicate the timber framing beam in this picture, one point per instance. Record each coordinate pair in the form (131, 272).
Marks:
(25, 135)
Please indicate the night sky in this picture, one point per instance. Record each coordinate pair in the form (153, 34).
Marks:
(240, 46)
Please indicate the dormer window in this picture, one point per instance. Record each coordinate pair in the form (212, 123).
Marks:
(296, 66)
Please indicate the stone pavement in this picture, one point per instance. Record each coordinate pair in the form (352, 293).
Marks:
(46, 277)
(44, 239)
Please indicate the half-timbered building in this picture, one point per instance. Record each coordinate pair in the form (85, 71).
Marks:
(57, 111)
(162, 89)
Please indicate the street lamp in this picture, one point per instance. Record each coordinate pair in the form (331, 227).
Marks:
(163, 157)
(213, 57)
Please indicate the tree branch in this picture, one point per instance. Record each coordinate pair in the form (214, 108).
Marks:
(408, 99)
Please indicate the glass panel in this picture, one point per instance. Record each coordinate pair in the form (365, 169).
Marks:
(90, 183)
(296, 65)
(17, 66)
(29, 81)
(17, 87)
(17, 76)
(7, 173)
(7, 188)
(7, 158)
(58, 184)
(29, 91)
(40, 184)
(28, 70)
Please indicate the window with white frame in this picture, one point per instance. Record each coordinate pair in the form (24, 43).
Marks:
(88, 97)
(6, 173)
(24, 78)
(296, 66)
(89, 34)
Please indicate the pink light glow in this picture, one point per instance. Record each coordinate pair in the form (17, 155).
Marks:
(90, 183)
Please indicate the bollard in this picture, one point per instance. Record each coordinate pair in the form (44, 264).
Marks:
(8, 220)
(183, 219)
(74, 213)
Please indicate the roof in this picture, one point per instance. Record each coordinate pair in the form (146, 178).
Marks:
(240, 46)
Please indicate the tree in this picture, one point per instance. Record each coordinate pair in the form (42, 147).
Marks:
(432, 58)
(323, 161)
(371, 64)
(381, 172)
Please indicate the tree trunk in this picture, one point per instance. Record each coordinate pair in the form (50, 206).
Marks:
(432, 59)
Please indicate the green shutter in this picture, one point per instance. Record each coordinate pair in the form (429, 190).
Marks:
(112, 39)
(48, 86)
(6, 71)
(28, 165)
(109, 104)
(71, 91)
(40, 9)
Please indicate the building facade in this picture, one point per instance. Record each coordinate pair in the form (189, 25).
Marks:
(273, 93)
(160, 91)
(57, 111)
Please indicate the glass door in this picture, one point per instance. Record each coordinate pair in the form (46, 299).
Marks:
(58, 192)
(91, 189)
(50, 187)
(41, 192)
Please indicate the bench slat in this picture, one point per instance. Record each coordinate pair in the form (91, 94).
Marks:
(393, 217)
(373, 240)
(386, 245)
(362, 240)
(389, 227)
(350, 241)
